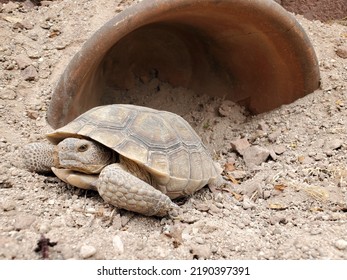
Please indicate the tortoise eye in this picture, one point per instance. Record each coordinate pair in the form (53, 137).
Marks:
(83, 148)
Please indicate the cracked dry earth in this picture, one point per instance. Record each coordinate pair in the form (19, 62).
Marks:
(288, 166)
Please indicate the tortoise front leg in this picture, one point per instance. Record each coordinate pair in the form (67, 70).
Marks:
(124, 190)
(38, 157)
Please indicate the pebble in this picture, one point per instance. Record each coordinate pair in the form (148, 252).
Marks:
(215, 209)
(203, 207)
(24, 221)
(342, 52)
(255, 155)
(118, 245)
(341, 244)
(266, 194)
(29, 73)
(51, 201)
(201, 251)
(274, 135)
(199, 240)
(227, 108)
(87, 251)
(8, 205)
(279, 149)
(9, 95)
(278, 219)
(9, 7)
(333, 144)
(27, 24)
(23, 61)
(247, 203)
(240, 145)
(44, 228)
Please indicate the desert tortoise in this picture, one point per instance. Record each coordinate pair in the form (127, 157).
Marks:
(137, 158)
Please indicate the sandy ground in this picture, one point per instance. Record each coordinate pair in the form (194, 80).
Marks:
(289, 199)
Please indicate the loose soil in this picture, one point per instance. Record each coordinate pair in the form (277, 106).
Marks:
(288, 198)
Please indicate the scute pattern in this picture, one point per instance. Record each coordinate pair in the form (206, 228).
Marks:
(161, 142)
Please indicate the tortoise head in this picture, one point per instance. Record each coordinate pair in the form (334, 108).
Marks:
(82, 155)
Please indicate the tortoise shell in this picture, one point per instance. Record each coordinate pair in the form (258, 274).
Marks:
(161, 142)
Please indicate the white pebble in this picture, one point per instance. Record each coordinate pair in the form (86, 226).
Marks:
(118, 244)
(51, 201)
(87, 251)
(341, 244)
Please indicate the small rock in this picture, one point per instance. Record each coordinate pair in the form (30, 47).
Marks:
(333, 144)
(9, 7)
(8, 95)
(57, 222)
(227, 108)
(33, 53)
(27, 24)
(201, 251)
(23, 61)
(24, 221)
(8, 205)
(255, 155)
(266, 194)
(251, 187)
(240, 145)
(32, 114)
(118, 245)
(51, 202)
(274, 135)
(247, 203)
(316, 231)
(44, 228)
(29, 73)
(263, 126)
(214, 209)
(278, 219)
(199, 240)
(189, 218)
(87, 251)
(341, 244)
(273, 155)
(279, 149)
(342, 52)
(203, 207)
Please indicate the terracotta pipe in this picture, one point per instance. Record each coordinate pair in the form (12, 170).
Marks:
(250, 51)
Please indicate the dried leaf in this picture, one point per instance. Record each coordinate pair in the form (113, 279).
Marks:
(280, 187)
(237, 196)
(232, 179)
(11, 19)
(54, 33)
(318, 193)
(340, 103)
(228, 167)
(277, 206)
(301, 159)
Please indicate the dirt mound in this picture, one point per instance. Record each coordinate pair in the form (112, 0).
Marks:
(317, 9)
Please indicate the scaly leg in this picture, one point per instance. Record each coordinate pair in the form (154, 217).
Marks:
(124, 190)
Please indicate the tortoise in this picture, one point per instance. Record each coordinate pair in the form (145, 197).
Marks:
(137, 158)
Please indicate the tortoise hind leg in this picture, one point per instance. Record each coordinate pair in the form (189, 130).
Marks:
(124, 190)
